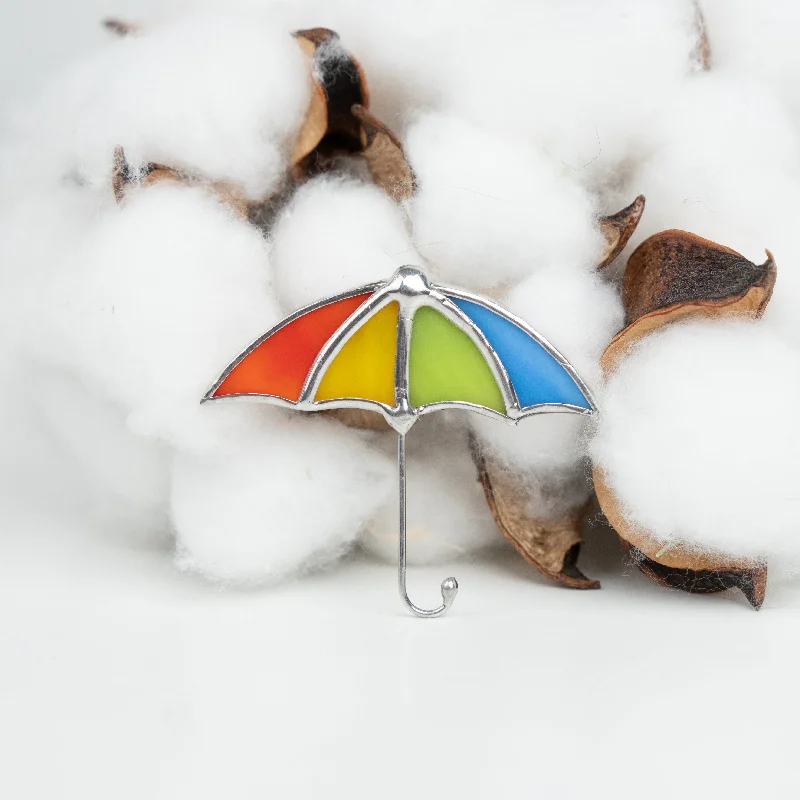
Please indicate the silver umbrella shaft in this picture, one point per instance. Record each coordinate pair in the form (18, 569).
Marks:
(449, 585)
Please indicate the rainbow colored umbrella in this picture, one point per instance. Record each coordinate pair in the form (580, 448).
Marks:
(405, 348)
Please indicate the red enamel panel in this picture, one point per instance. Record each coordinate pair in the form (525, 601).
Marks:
(280, 364)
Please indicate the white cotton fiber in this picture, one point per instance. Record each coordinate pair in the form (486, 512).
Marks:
(757, 40)
(699, 437)
(447, 512)
(220, 95)
(336, 234)
(289, 494)
(577, 80)
(724, 163)
(154, 302)
(523, 122)
(492, 209)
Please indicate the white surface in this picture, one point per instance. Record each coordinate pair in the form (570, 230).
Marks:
(120, 678)
(123, 679)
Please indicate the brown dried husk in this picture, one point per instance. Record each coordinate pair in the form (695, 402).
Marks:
(385, 157)
(124, 179)
(330, 128)
(338, 120)
(550, 545)
(674, 276)
(618, 228)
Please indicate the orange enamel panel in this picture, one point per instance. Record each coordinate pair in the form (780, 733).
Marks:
(279, 365)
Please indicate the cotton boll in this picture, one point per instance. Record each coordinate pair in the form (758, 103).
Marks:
(406, 49)
(447, 512)
(491, 209)
(219, 94)
(698, 437)
(579, 79)
(160, 297)
(578, 314)
(575, 79)
(336, 234)
(757, 40)
(725, 163)
(726, 166)
(284, 498)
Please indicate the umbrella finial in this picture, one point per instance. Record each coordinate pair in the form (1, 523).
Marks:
(449, 585)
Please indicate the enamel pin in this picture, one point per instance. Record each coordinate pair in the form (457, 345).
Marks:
(405, 348)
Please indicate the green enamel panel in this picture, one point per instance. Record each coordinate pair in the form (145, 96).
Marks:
(445, 365)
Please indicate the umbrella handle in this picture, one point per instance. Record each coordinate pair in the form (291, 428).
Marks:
(449, 585)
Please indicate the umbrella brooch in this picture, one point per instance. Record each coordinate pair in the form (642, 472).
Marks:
(404, 348)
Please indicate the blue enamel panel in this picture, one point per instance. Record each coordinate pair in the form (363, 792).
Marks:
(537, 377)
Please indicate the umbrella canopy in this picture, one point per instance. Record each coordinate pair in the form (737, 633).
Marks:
(406, 348)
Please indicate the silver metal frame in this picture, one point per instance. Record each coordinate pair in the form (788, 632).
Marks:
(411, 290)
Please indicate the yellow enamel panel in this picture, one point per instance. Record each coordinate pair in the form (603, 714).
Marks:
(364, 367)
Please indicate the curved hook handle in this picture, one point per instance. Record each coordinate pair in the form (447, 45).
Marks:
(449, 585)
(449, 592)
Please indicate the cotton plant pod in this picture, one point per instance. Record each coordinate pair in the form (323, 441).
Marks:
(675, 276)
(339, 122)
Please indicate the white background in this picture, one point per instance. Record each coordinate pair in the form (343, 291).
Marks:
(120, 678)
